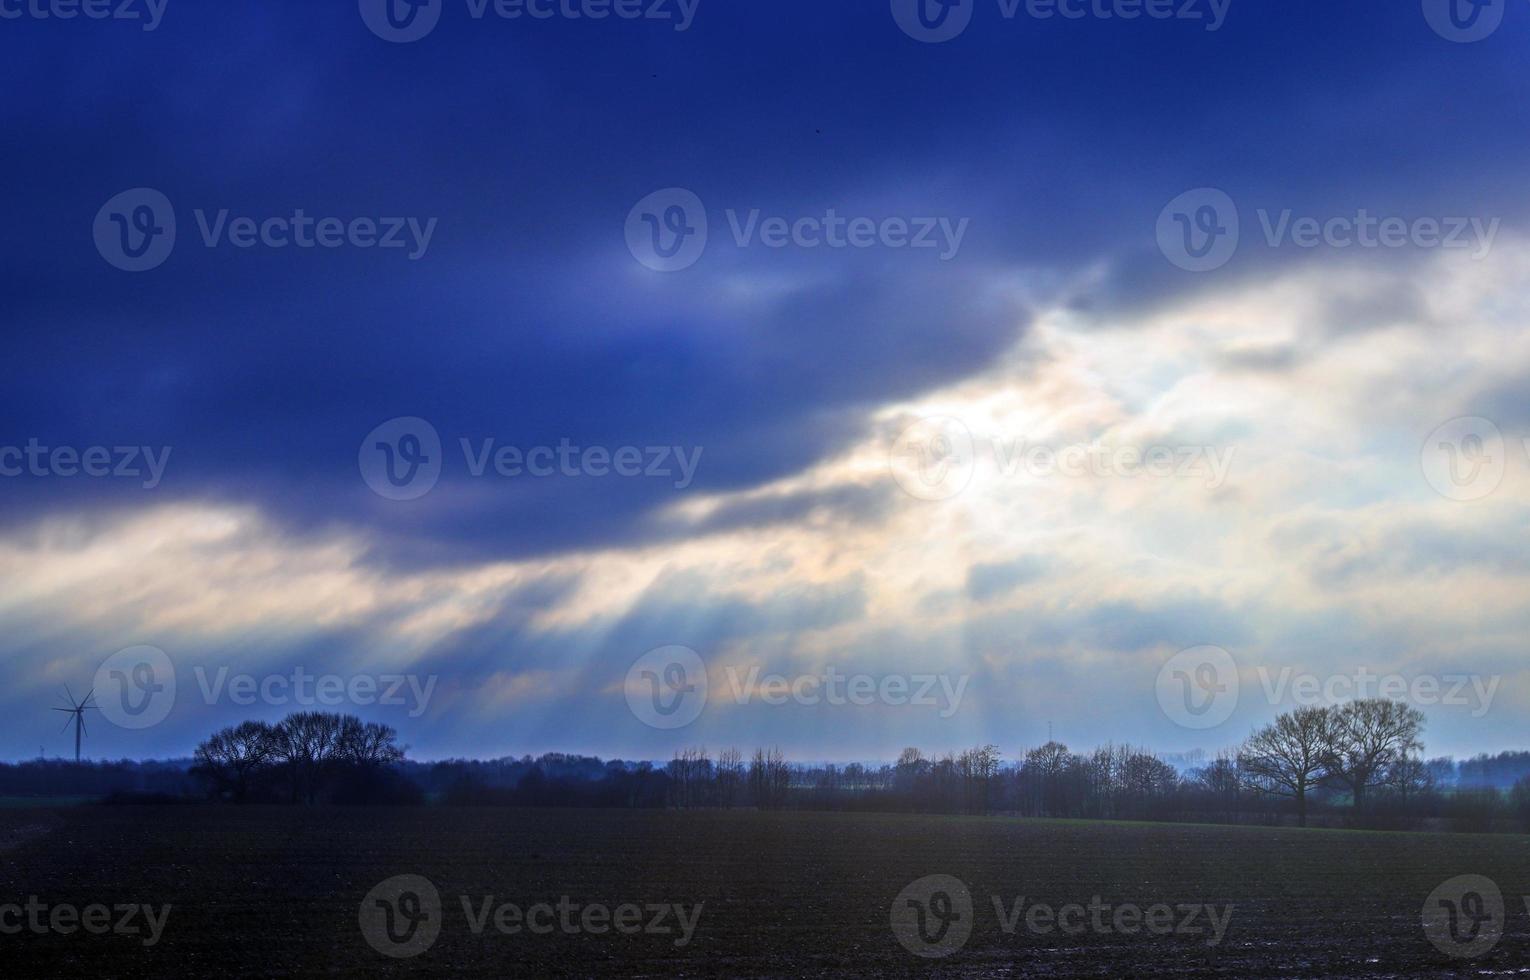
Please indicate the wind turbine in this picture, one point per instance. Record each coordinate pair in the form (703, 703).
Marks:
(77, 709)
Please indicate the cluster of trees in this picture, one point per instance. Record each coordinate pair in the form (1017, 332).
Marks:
(307, 757)
(554, 779)
(1357, 762)
(1501, 771)
(695, 780)
(1361, 746)
(691, 779)
(60, 778)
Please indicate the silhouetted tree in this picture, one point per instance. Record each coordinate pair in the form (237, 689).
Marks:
(231, 760)
(769, 779)
(730, 777)
(1366, 738)
(1289, 757)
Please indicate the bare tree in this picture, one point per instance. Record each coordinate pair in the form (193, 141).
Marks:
(769, 779)
(1407, 779)
(1289, 757)
(730, 777)
(1222, 781)
(367, 745)
(1045, 768)
(691, 777)
(304, 743)
(979, 767)
(1519, 800)
(1367, 737)
(233, 757)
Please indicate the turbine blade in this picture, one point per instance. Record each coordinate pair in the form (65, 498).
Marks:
(70, 693)
(66, 727)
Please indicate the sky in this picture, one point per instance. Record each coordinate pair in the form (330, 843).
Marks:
(549, 381)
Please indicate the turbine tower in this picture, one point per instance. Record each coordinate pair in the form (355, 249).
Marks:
(77, 709)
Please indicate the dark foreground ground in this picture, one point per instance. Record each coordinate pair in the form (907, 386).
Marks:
(279, 892)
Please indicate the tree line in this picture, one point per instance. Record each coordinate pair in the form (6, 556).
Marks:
(1353, 764)
(307, 757)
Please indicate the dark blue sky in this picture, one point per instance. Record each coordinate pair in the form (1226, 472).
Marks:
(528, 321)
